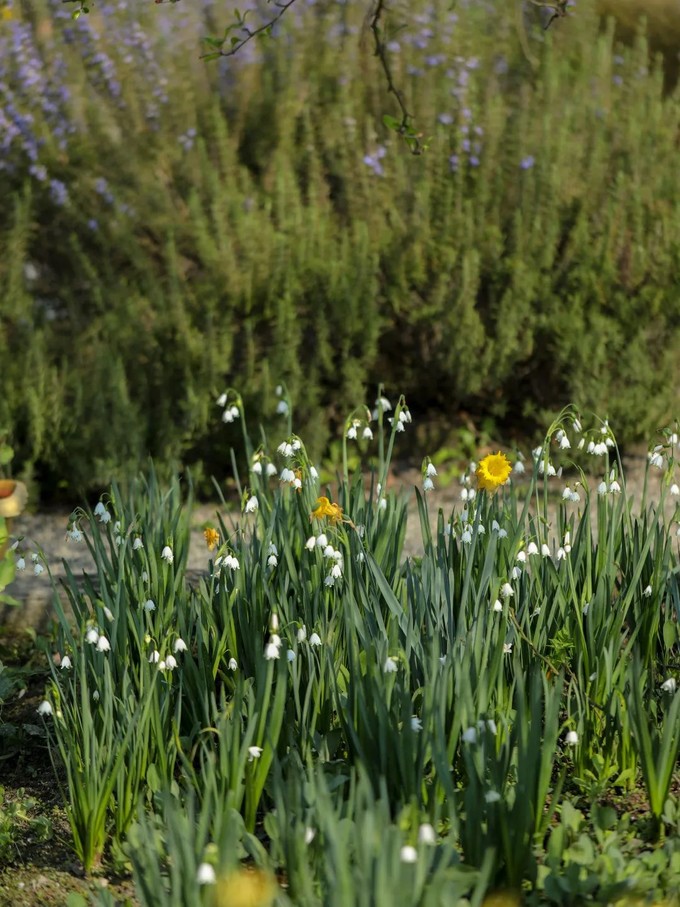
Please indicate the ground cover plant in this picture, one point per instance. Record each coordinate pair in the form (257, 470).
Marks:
(169, 226)
(319, 720)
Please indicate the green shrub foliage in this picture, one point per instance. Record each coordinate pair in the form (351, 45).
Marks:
(169, 227)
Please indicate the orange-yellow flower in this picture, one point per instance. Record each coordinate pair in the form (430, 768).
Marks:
(324, 508)
(212, 538)
(493, 471)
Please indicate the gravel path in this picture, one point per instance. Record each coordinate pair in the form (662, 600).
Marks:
(48, 531)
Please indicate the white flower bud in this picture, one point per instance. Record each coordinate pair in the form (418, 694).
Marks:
(206, 874)
(408, 854)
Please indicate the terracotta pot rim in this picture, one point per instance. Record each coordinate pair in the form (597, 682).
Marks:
(13, 497)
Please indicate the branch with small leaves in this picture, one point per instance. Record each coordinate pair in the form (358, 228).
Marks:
(237, 41)
(403, 127)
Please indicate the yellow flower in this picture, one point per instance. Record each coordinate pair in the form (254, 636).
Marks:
(5, 13)
(212, 537)
(502, 899)
(245, 888)
(493, 471)
(324, 508)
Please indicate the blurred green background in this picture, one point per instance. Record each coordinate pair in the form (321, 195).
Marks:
(170, 227)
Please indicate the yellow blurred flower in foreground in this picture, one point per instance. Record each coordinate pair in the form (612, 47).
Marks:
(13, 497)
(502, 899)
(324, 508)
(245, 888)
(212, 538)
(493, 471)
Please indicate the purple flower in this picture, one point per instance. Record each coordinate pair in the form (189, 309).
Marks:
(59, 192)
(38, 171)
(527, 162)
(445, 119)
(373, 160)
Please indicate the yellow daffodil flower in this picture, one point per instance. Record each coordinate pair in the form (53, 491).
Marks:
(324, 508)
(493, 471)
(212, 538)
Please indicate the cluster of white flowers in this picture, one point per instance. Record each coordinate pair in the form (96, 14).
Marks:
(289, 448)
(404, 418)
(96, 638)
(353, 431)
(562, 440)
(169, 663)
(382, 405)
(20, 562)
(226, 560)
(102, 513)
(543, 469)
(273, 556)
(571, 494)
(282, 407)
(330, 553)
(469, 530)
(230, 412)
(598, 448)
(73, 532)
(429, 470)
(655, 456)
(612, 488)
(273, 648)
(288, 477)
(468, 493)
(495, 527)
(256, 466)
